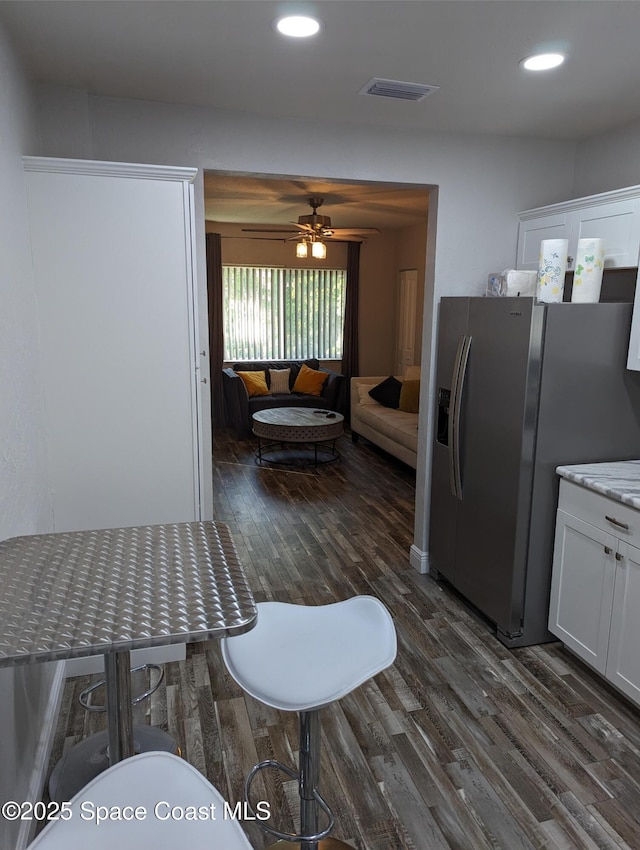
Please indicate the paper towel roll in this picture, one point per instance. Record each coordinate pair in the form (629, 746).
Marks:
(587, 279)
(552, 266)
(520, 282)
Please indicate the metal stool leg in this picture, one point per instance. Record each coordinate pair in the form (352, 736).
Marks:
(310, 837)
(309, 771)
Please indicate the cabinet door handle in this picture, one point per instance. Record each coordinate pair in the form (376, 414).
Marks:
(617, 522)
(618, 556)
(607, 550)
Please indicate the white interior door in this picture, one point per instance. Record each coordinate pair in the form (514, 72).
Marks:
(408, 291)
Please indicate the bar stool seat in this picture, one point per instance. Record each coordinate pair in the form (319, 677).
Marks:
(161, 787)
(302, 658)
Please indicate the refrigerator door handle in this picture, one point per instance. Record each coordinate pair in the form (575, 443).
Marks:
(452, 429)
(459, 376)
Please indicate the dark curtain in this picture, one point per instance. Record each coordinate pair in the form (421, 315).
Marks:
(350, 365)
(216, 327)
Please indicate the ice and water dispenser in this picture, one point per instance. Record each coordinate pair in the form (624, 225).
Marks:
(442, 426)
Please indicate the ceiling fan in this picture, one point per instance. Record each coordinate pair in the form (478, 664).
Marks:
(317, 227)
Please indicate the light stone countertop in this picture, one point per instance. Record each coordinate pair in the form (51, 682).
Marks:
(620, 480)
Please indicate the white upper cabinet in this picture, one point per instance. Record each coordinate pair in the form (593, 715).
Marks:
(533, 231)
(617, 223)
(612, 216)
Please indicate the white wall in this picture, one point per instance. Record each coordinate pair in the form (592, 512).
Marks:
(482, 183)
(608, 161)
(27, 694)
(25, 503)
(412, 248)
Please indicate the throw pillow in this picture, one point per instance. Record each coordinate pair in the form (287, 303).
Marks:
(363, 394)
(409, 396)
(279, 380)
(255, 382)
(309, 381)
(387, 392)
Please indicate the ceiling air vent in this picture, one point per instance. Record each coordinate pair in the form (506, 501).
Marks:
(397, 89)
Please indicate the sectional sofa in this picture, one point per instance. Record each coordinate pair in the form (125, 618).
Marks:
(240, 406)
(391, 429)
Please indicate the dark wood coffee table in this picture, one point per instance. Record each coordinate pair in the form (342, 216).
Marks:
(297, 436)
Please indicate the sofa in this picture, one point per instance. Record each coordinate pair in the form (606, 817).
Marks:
(240, 405)
(390, 428)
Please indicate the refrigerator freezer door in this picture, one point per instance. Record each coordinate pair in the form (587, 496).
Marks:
(479, 533)
(452, 327)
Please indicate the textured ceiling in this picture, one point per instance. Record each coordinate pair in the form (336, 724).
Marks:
(270, 201)
(228, 55)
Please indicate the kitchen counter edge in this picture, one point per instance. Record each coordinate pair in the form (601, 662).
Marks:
(619, 480)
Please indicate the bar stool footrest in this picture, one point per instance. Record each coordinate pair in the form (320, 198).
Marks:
(286, 836)
(85, 695)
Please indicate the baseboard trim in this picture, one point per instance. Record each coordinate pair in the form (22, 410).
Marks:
(43, 753)
(419, 559)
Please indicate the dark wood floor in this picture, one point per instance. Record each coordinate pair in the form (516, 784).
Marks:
(461, 744)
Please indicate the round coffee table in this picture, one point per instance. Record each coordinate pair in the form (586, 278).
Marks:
(310, 436)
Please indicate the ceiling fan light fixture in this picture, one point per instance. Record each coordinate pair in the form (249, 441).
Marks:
(298, 26)
(301, 250)
(319, 250)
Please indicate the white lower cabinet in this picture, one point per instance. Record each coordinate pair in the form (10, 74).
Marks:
(623, 659)
(582, 588)
(595, 588)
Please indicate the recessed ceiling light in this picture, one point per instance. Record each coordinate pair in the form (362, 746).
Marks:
(298, 26)
(542, 61)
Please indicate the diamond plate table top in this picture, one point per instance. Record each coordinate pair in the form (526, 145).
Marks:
(73, 594)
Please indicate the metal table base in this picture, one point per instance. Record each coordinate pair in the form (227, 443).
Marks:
(88, 758)
(285, 454)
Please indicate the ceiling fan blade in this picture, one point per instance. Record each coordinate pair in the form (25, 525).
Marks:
(344, 237)
(267, 230)
(263, 238)
(355, 231)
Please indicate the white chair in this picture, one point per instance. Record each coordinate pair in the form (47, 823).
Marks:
(145, 802)
(301, 658)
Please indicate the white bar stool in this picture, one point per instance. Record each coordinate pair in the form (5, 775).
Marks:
(145, 802)
(301, 658)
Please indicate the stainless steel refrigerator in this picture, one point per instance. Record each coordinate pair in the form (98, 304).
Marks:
(521, 388)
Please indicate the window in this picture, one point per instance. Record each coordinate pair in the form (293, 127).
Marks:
(283, 314)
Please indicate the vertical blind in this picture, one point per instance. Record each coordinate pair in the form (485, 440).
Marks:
(283, 314)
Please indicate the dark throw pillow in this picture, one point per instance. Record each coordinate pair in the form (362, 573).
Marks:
(387, 392)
